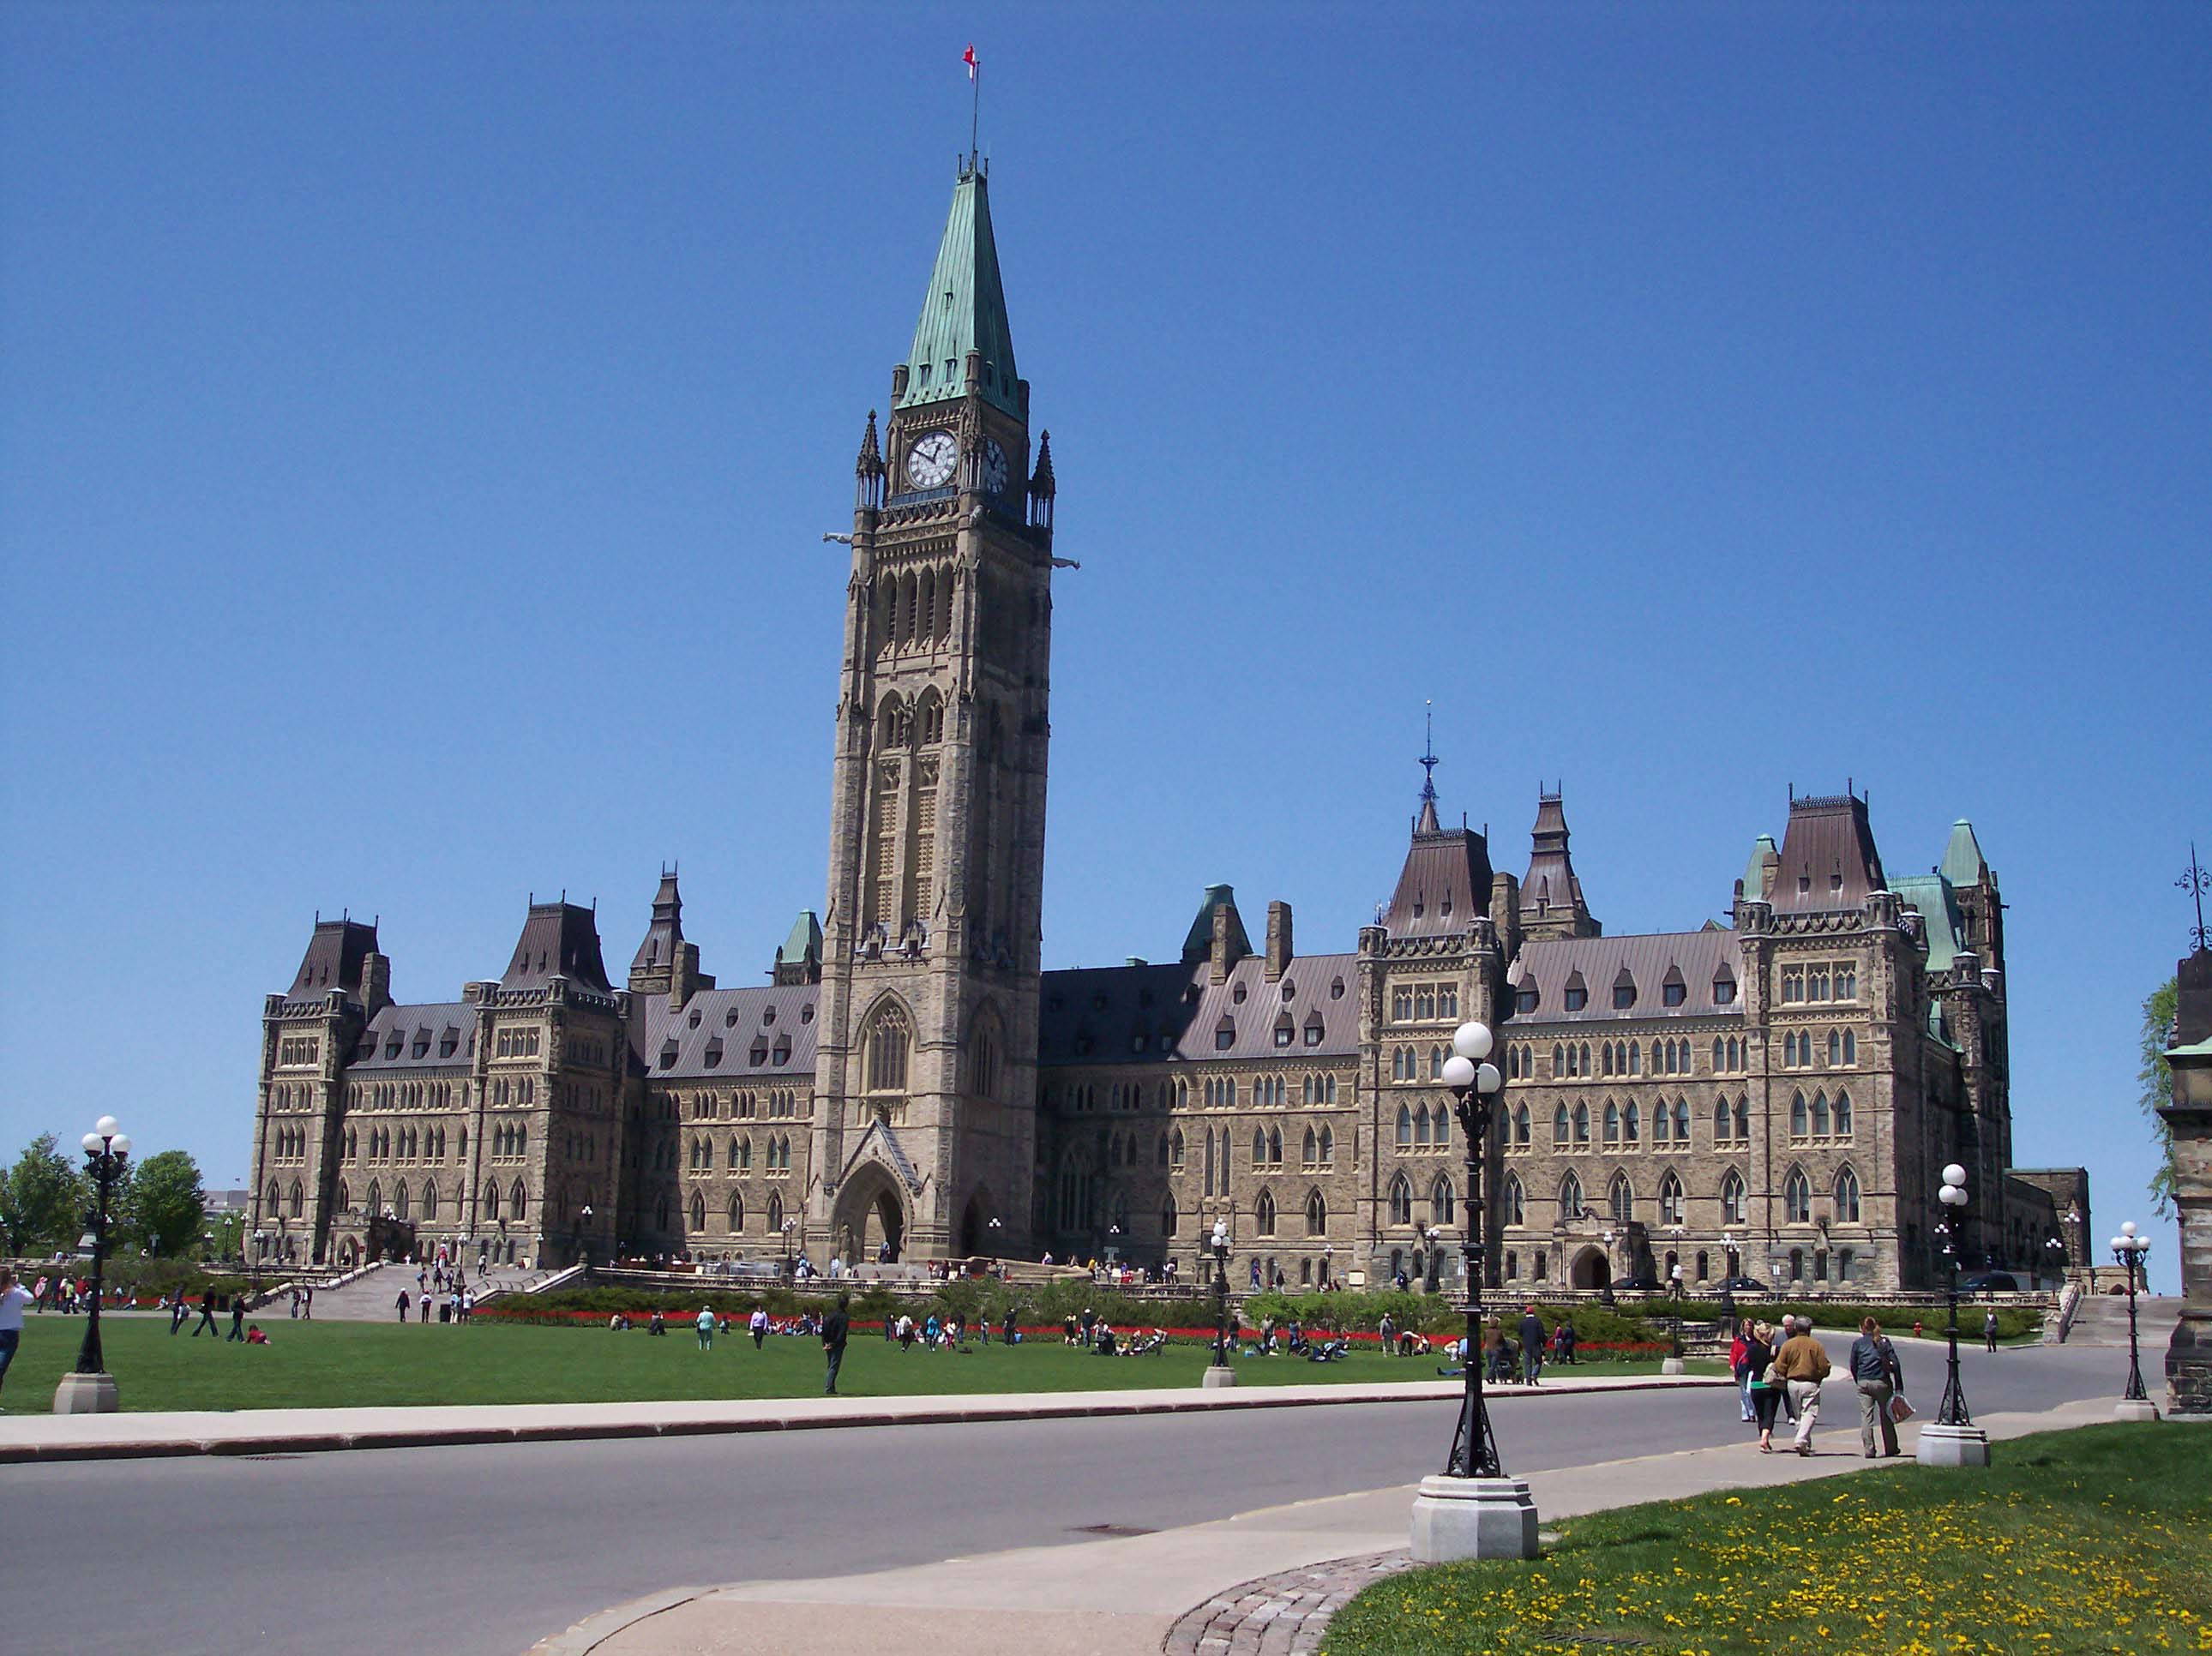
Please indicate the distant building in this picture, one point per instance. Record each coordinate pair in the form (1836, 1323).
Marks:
(1773, 1097)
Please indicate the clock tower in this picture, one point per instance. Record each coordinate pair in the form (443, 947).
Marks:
(924, 1133)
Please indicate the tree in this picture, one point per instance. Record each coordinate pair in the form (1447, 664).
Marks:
(2157, 1084)
(164, 1205)
(43, 1199)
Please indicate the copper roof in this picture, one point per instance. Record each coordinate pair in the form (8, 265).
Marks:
(1444, 886)
(763, 1034)
(1547, 963)
(439, 1036)
(334, 957)
(1174, 1013)
(1829, 862)
(558, 940)
(1552, 887)
(658, 948)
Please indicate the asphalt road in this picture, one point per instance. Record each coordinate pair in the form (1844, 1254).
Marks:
(480, 1551)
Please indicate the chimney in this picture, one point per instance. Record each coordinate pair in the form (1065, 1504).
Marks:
(683, 979)
(375, 983)
(1278, 940)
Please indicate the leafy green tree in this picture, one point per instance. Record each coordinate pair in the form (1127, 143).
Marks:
(2157, 1084)
(43, 1197)
(166, 1204)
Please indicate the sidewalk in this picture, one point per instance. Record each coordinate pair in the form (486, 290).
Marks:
(1140, 1594)
(301, 1431)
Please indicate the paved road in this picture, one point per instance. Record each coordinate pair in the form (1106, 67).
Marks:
(480, 1551)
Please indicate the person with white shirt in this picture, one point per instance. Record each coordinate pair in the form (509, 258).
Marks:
(14, 1296)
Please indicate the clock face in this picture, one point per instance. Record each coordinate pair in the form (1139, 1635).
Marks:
(995, 469)
(930, 461)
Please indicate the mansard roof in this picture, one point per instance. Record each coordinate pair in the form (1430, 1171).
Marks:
(1121, 1014)
(439, 1035)
(734, 1035)
(1444, 886)
(1963, 863)
(964, 309)
(658, 949)
(334, 957)
(1552, 886)
(1546, 964)
(558, 940)
(1829, 863)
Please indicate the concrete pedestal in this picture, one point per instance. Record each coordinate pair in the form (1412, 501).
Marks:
(1953, 1445)
(2135, 1409)
(85, 1394)
(1457, 1517)
(1218, 1377)
(1671, 1366)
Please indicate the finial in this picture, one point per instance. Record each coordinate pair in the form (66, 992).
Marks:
(1429, 760)
(2197, 882)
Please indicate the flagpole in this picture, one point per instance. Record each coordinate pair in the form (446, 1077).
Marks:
(974, 108)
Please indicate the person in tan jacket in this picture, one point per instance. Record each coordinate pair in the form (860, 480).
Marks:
(1802, 1363)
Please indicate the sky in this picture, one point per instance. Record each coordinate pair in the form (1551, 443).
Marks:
(420, 422)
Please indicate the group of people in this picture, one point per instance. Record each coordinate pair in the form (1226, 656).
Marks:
(1778, 1371)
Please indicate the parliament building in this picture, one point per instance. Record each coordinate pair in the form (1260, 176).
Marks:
(1772, 1097)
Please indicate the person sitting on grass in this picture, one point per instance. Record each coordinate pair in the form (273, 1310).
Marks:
(658, 1325)
(255, 1335)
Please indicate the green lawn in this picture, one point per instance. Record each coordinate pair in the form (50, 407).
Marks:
(326, 1364)
(2095, 1540)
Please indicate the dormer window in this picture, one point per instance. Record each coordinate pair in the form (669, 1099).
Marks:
(1624, 992)
(1237, 994)
(1524, 1002)
(759, 1055)
(449, 1041)
(1336, 989)
(1723, 989)
(806, 1013)
(768, 1015)
(668, 1055)
(714, 1052)
(730, 1018)
(694, 1019)
(1224, 1034)
(1285, 1031)
(421, 1043)
(1314, 1030)
(1578, 993)
(1289, 990)
(392, 1043)
(781, 1054)
(1673, 992)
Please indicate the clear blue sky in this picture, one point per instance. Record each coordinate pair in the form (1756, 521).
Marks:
(419, 423)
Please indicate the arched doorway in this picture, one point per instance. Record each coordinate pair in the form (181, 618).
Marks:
(976, 1235)
(869, 1220)
(1591, 1269)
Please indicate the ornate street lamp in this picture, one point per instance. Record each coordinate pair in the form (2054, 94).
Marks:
(1728, 1280)
(1952, 1440)
(2128, 1251)
(1605, 1288)
(1432, 1236)
(89, 1389)
(1473, 1510)
(1673, 1363)
(584, 1238)
(1219, 1373)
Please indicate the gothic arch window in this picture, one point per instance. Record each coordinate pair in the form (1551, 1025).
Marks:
(1421, 1125)
(1570, 1197)
(1612, 1122)
(1797, 1198)
(1820, 1115)
(1275, 1146)
(983, 1057)
(1317, 1213)
(1621, 1199)
(1681, 1120)
(1520, 1124)
(737, 1212)
(1440, 1201)
(345, 1197)
(1264, 1213)
(1328, 1145)
(1175, 1149)
(1662, 1124)
(1558, 1060)
(890, 1037)
(1401, 1200)
(1631, 1122)
(1516, 1202)
(490, 1198)
(299, 1200)
(519, 1201)
(399, 1202)
(775, 1211)
(1258, 1147)
(1847, 1197)
(1405, 1127)
(375, 1197)
(429, 1199)
(1561, 1132)
(1582, 1124)
(1800, 1118)
(1843, 1115)
(1308, 1148)
(1733, 1205)
(698, 1213)
(1168, 1215)
(1670, 1200)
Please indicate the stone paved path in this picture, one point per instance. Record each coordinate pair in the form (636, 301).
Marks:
(1283, 1614)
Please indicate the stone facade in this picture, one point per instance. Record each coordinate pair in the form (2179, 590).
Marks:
(1772, 1096)
(2189, 1355)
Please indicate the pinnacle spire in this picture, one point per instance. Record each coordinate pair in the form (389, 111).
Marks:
(964, 314)
(1428, 822)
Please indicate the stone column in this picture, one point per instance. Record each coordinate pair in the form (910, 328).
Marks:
(2188, 1116)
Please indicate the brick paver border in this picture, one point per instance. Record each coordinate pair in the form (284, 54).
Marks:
(1283, 1614)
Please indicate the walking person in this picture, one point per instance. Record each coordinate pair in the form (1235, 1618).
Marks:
(404, 1302)
(1764, 1385)
(206, 1316)
(237, 1319)
(706, 1325)
(835, 1326)
(1990, 1330)
(179, 1309)
(1739, 1365)
(307, 1305)
(1879, 1376)
(14, 1296)
(757, 1324)
(1803, 1363)
(1532, 1344)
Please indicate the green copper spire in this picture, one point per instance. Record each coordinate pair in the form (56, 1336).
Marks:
(1963, 864)
(964, 310)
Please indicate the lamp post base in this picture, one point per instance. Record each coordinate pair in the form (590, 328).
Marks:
(2135, 1409)
(1216, 1378)
(1457, 1517)
(1952, 1446)
(85, 1394)
(1671, 1366)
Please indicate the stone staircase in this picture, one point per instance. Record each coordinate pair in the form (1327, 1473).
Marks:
(2102, 1320)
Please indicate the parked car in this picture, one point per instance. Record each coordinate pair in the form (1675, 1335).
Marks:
(1989, 1281)
(1746, 1285)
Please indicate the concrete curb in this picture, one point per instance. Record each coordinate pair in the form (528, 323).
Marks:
(398, 1436)
(593, 1631)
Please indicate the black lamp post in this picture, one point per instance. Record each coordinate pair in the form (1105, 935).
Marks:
(1432, 1236)
(1727, 1281)
(1675, 1322)
(1475, 1084)
(1952, 1195)
(1221, 1244)
(88, 1388)
(584, 1238)
(2128, 1251)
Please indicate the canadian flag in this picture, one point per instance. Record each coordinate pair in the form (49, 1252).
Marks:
(968, 58)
